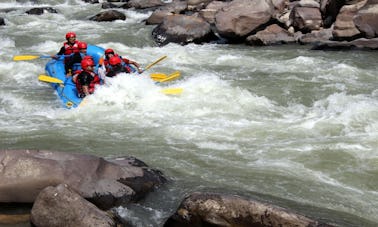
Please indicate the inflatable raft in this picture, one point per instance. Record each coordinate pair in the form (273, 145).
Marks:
(67, 92)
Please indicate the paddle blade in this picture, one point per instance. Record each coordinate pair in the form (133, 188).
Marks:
(171, 77)
(49, 79)
(158, 76)
(172, 91)
(25, 57)
(155, 62)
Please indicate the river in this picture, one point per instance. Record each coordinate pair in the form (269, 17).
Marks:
(283, 124)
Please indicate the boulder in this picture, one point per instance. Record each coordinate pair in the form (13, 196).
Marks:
(62, 206)
(211, 209)
(366, 19)
(272, 35)
(183, 30)
(357, 44)
(330, 9)
(42, 10)
(344, 28)
(175, 7)
(241, 18)
(109, 15)
(2, 21)
(306, 19)
(211, 9)
(107, 183)
(143, 4)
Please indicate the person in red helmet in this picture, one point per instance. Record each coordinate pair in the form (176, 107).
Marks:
(124, 61)
(74, 62)
(115, 67)
(87, 79)
(69, 47)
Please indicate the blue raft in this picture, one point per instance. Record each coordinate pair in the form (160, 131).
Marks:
(67, 92)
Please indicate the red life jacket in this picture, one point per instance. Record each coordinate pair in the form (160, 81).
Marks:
(92, 85)
(69, 49)
(125, 63)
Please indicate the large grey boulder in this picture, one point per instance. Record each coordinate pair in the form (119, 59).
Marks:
(107, 183)
(366, 19)
(272, 35)
(211, 209)
(344, 28)
(109, 15)
(242, 17)
(183, 30)
(61, 206)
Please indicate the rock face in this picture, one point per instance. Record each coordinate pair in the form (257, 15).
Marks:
(366, 19)
(211, 209)
(241, 17)
(182, 29)
(61, 206)
(110, 15)
(106, 183)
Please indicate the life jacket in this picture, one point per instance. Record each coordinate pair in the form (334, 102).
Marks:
(68, 49)
(92, 85)
(124, 62)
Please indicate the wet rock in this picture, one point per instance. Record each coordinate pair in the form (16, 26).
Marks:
(109, 15)
(322, 35)
(108, 5)
(344, 28)
(91, 1)
(330, 9)
(175, 7)
(242, 17)
(62, 206)
(143, 4)
(306, 19)
(357, 44)
(211, 209)
(42, 10)
(366, 19)
(272, 35)
(106, 183)
(211, 9)
(182, 29)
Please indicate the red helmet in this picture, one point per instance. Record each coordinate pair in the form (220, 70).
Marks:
(115, 60)
(109, 51)
(82, 45)
(88, 57)
(86, 62)
(70, 35)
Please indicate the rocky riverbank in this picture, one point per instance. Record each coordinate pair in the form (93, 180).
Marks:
(71, 189)
(325, 24)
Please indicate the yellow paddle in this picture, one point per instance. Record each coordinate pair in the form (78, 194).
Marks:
(29, 57)
(162, 77)
(158, 76)
(172, 91)
(155, 62)
(170, 77)
(49, 79)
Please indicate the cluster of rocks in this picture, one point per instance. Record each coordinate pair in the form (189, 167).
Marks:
(326, 24)
(69, 189)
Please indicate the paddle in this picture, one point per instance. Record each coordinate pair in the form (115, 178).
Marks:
(29, 57)
(158, 76)
(161, 77)
(154, 63)
(172, 91)
(49, 79)
(170, 77)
